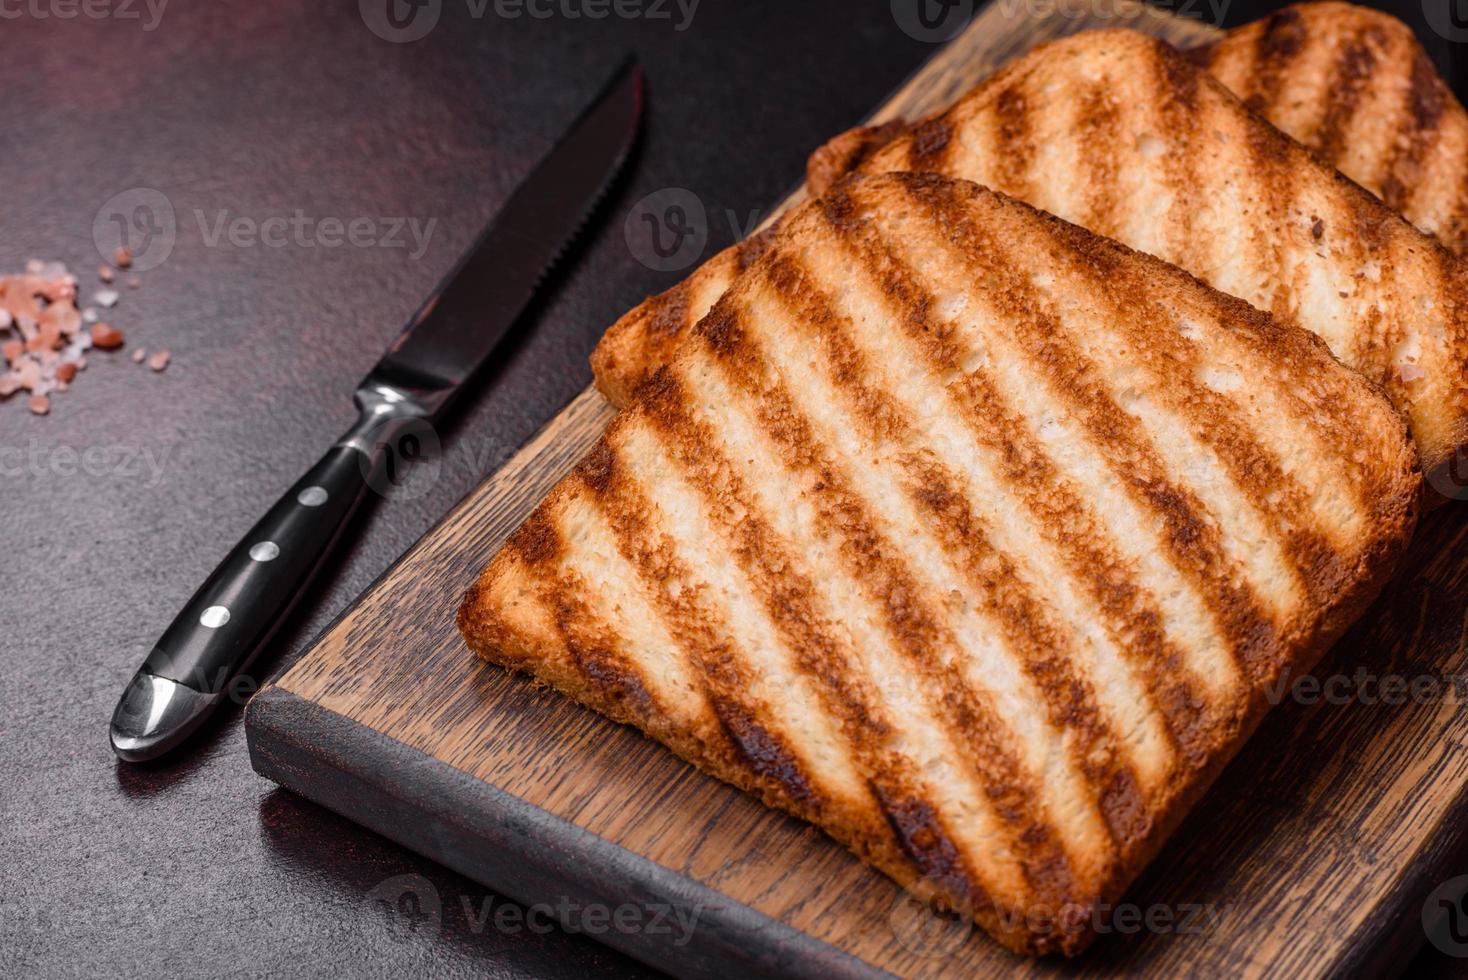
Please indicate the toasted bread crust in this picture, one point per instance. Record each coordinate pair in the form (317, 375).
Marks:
(838, 157)
(1115, 131)
(1356, 87)
(649, 334)
(947, 580)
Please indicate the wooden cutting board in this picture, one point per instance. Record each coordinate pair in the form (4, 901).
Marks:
(1312, 855)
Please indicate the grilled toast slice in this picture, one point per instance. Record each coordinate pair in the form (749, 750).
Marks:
(1117, 132)
(1351, 83)
(1356, 87)
(973, 538)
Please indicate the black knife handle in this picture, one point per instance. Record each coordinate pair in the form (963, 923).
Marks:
(233, 613)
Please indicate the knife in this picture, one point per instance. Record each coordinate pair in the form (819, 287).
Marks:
(233, 614)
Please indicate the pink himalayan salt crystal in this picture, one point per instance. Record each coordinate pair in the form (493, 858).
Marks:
(63, 316)
(106, 336)
(139, 354)
(30, 374)
(43, 334)
(159, 360)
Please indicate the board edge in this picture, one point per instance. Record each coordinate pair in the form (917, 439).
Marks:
(514, 847)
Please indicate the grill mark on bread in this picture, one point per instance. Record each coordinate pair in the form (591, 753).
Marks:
(1268, 178)
(1203, 55)
(1352, 72)
(1125, 808)
(767, 753)
(879, 562)
(886, 424)
(1060, 516)
(1014, 151)
(706, 636)
(593, 647)
(1427, 99)
(1094, 133)
(1180, 80)
(929, 144)
(929, 846)
(1195, 543)
(1353, 58)
(1277, 46)
(1173, 116)
(729, 672)
(787, 593)
(536, 540)
(1037, 643)
(1258, 475)
(892, 776)
(548, 597)
(1067, 696)
(754, 246)
(669, 312)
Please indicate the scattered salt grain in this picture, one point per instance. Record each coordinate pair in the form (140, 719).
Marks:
(123, 257)
(30, 375)
(159, 360)
(134, 282)
(106, 336)
(44, 336)
(138, 355)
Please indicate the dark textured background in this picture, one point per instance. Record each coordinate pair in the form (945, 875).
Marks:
(197, 866)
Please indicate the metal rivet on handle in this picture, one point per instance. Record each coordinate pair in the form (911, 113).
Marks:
(214, 617)
(265, 551)
(312, 496)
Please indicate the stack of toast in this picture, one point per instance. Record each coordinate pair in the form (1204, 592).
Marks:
(971, 512)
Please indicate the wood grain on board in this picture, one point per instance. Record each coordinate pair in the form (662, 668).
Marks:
(1312, 854)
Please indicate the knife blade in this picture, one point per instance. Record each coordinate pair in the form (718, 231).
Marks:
(230, 618)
